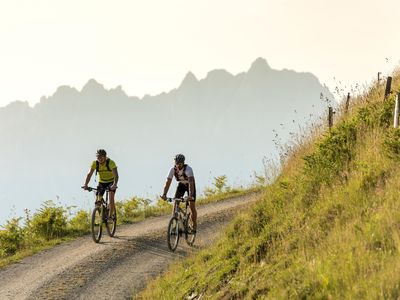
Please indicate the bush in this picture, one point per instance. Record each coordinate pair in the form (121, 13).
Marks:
(11, 238)
(49, 222)
(376, 114)
(332, 155)
(391, 144)
(220, 186)
(80, 222)
(128, 210)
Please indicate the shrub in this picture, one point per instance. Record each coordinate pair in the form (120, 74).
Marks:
(11, 238)
(127, 210)
(80, 222)
(332, 155)
(391, 144)
(220, 186)
(49, 222)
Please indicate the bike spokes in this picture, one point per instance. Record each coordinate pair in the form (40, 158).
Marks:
(190, 234)
(173, 234)
(97, 224)
(111, 225)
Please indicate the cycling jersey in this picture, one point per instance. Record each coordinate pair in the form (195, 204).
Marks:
(181, 175)
(105, 175)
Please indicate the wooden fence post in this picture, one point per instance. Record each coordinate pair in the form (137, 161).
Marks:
(388, 87)
(396, 111)
(346, 108)
(330, 117)
(379, 77)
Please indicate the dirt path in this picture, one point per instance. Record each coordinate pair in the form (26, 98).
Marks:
(116, 268)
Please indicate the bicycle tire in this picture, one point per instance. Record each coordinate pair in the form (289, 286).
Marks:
(189, 236)
(173, 234)
(111, 227)
(97, 224)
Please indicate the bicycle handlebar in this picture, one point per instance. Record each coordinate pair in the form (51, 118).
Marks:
(90, 189)
(183, 199)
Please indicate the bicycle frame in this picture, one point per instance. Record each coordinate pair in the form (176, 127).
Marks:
(102, 210)
(99, 197)
(177, 209)
(179, 224)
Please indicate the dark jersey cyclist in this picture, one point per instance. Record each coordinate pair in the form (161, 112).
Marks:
(183, 173)
(107, 175)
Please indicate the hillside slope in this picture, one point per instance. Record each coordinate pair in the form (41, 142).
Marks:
(327, 228)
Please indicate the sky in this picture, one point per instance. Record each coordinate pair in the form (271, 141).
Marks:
(147, 47)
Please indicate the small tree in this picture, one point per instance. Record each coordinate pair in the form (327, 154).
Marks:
(220, 183)
(219, 186)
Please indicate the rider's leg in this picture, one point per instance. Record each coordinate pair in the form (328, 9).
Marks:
(99, 194)
(173, 210)
(112, 203)
(180, 191)
(192, 206)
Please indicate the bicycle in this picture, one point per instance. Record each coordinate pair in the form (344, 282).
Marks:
(100, 216)
(180, 223)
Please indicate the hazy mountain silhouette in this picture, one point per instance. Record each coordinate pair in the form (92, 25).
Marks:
(222, 123)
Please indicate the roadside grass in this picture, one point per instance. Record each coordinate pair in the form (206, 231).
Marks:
(54, 224)
(327, 228)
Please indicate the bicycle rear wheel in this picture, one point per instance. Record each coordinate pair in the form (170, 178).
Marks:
(173, 234)
(97, 224)
(111, 225)
(189, 235)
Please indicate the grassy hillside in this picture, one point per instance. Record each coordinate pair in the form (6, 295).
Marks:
(328, 227)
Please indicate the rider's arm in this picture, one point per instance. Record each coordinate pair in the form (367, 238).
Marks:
(88, 176)
(116, 177)
(191, 186)
(166, 186)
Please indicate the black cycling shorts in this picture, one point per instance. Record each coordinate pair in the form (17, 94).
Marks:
(101, 188)
(182, 189)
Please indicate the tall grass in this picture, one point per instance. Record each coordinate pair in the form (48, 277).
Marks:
(327, 228)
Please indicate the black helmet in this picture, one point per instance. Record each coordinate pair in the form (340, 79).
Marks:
(179, 158)
(101, 152)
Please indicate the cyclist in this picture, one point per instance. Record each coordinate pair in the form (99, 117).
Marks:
(184, 175)
(107, 175)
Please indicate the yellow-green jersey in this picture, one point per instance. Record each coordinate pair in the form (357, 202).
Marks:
(105, 175)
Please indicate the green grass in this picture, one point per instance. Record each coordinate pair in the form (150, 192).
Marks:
(327, 228)
(33, 249)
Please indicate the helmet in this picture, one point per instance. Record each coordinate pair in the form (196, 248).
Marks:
(101, 152)
(179, 158)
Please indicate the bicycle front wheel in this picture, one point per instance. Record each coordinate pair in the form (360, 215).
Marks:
(190, 236)
(97, 224)
(111, 225)
(173, 234)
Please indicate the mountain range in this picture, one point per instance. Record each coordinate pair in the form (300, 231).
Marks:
(225, 124)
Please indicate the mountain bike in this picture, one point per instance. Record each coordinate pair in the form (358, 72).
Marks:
(180, 223)
(100, 216)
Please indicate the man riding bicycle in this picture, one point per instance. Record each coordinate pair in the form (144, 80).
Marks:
(183, 173)
(107, 175)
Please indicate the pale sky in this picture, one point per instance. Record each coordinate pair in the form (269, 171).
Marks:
(147, 47)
